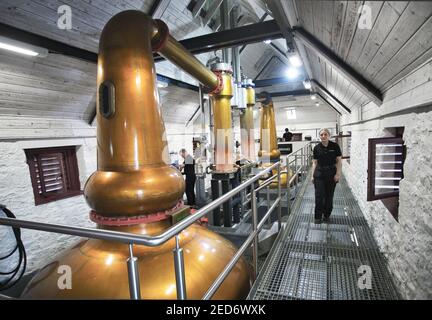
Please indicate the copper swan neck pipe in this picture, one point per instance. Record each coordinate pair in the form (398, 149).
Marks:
(172, 50)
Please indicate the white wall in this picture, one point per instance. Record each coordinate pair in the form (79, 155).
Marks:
(16, 190)
(407, 244)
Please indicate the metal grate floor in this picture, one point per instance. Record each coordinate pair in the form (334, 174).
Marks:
(325, 261)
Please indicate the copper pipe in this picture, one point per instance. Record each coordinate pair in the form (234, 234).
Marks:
(247, 126)
(268, 139)
(133, 177)
(177, 54)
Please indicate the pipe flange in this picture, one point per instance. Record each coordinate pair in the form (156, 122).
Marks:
(133, 220)
(220, 85)
(162, 36)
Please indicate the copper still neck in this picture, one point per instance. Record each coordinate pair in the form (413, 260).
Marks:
(133, 176)
(268, 140)
(223, 133)
(247, 126)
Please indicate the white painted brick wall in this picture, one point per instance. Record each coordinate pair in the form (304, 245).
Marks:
(17, 194)
(406, 244)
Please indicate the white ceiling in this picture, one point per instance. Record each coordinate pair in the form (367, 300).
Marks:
(58, 86)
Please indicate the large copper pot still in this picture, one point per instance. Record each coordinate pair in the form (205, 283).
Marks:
(134, 189)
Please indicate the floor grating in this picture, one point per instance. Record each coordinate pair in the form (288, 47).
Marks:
(326, 261)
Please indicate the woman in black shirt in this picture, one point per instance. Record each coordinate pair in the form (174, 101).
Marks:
(326, 172)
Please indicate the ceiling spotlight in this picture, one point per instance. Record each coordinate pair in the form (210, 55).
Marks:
(295, 60)
(317, 104)
(313, 97)
(22, 48)
(268, 41)
(292, 73)
(307, 84)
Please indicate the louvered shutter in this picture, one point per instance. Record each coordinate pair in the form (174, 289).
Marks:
(54, 173)
(386, 159)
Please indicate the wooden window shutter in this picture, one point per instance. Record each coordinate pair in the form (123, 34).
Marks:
(54, 173)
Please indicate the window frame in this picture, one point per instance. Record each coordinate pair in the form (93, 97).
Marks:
(70, 173)
(371, 174)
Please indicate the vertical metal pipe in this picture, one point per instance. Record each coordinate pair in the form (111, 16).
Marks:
(255, 242)
(133, 275)
(203, 120)
(227, 205)
(279, 194)
(301, 163)
(235, 50)
(268, 204)
(224, 26)
(179, 271)
(288, 189)
(215, 195)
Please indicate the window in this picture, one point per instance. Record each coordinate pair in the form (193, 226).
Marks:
(54, 173)
(385, 170)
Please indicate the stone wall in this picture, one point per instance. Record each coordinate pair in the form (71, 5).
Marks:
(19, 133)
(17, 194)
(406, 244)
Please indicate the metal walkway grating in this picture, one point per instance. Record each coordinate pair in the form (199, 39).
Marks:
(321, 262)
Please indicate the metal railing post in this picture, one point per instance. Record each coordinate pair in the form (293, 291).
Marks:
(255, 241)
(268, 204)
(179, 271)
(279, 195)
(133, 275)
(301, 163)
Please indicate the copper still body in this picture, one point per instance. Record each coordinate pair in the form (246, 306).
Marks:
(134, 189)
(268, 138)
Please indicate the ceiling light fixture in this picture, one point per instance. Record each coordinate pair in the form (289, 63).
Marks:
(268, 41)
(292, 73)
(307, 84)
(22, 48)
(295, 60)
(313, 97)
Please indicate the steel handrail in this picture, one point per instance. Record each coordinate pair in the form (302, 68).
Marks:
(220, 279)
(124, 237)
(177, 228)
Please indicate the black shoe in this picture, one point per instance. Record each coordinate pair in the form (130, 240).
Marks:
(326, 219)
(318, 221)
